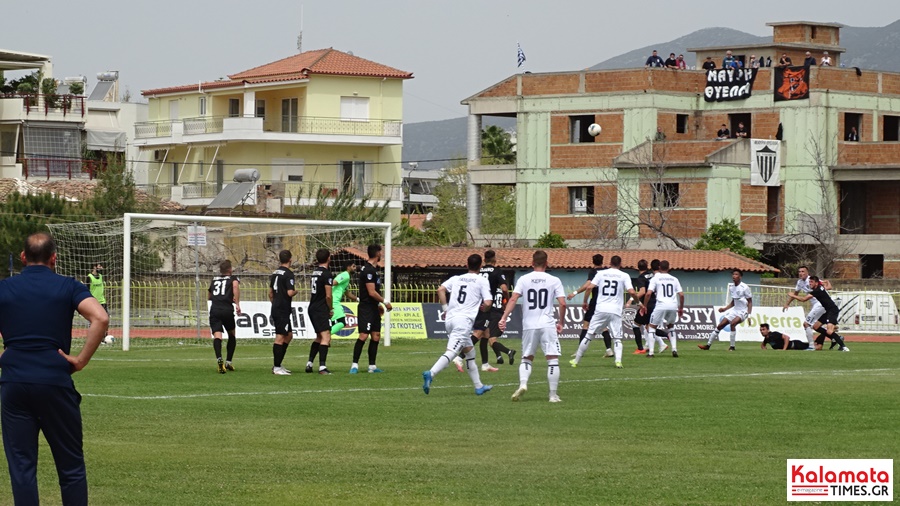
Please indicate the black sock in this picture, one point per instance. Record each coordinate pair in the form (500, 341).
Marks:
(217, 347)
(232, 344)
(638, 337)
(838, 339)
(313, 350)
(483, 345)
(323, 354)
(499, 349)
(373, 351)
(607, 339)
(357, 350)
(277, 354)
(822, 330)
(582, 335)
(662, 333)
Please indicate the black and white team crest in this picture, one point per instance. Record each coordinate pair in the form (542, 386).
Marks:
(765, 163)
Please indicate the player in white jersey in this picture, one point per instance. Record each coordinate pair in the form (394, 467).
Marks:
(612, 285)
(736, 311)
(540, 323)
(461, 298)
(815, 311)
(669, 306)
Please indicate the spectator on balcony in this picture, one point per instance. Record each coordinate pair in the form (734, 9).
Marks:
(754, 63)
(785, 61)
(723, 134)
(853, 135)
(826, 60)
(768, 61)
(809, 61)
(728, 61)
(680, 64)
(654, 60)
(660, 135)
(671, 62)
(709, 64)
(741, 131)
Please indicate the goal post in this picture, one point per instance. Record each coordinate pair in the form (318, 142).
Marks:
(157, 268)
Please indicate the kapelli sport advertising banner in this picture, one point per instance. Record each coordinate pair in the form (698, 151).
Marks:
(421, 321)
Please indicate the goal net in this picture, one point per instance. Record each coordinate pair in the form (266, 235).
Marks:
(157, 268)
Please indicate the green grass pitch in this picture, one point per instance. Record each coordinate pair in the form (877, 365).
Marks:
(162, 427)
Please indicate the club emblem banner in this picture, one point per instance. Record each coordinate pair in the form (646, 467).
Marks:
(791, 83)
(765, 162)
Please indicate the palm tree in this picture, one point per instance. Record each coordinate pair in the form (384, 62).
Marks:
(497, 146)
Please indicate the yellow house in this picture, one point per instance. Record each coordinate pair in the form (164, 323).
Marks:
(319, 122)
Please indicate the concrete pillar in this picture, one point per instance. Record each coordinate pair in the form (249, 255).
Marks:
(473, 192)
(249, 104)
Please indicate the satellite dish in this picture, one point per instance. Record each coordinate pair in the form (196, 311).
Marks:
(429, 216)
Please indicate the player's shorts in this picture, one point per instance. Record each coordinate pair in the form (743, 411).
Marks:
(546, 338)
(589, 314)
(829, 317)
(663, 318)
(798, 345)
(482, 319)
(733, 313)
(814, 314)
(459, 334)
(369, 319)
(221, 320)
(320, 321)
(282, 324)
(606, 321)
(644, 319)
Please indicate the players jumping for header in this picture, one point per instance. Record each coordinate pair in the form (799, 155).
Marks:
(225, 296)
(736, 311)
(281, 291)
(612, 285)
(669, 306)
(540, 324)
(321, 309)
(461, 298)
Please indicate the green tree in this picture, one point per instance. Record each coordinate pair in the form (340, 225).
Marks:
(551, 240)
(726, 235)
(498, 209)
(344, 206)
(116, 192)
(496, 146)
(76, 89)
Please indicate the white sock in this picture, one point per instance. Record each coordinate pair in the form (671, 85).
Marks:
(659, 340)
(617, 347)
(582, 348)
(353, 365)
(524, 372)
(441, 363)
(810, 336)
(712, 337)
(308, 364)
(472, 369)
(731, 336)
(553, 374)
(651, 340)
(673, 340)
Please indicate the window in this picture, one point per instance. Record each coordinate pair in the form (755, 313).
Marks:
(681, 123)
(578, 129)
(772, 208)
(735, 121)
(854, 199)
(289, 112)
(200, 167)
(812, 32)
(581, 200)
(665, 194)
(852, 120)
(175, 173)
(8, 143)
(353, 177)
(892, 128)
(202, 106)
(274, 242)
(260, 108)
(234, 107)
(355, 108)
(871, 266)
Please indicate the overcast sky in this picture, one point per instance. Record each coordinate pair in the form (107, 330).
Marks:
(454, 48)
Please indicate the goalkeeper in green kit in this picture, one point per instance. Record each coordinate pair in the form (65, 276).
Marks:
(338, 290)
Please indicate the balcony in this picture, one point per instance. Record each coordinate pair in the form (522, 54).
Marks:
(309, 129)
(43, 107)
(60, 168)
(290, 193)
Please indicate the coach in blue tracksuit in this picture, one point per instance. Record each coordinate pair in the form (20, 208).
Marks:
(36, 389)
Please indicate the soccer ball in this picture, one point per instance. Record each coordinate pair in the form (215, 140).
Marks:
(595, 129)
(109, 340)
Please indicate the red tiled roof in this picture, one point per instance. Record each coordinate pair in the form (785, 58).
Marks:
(569, 258)
(299, 66)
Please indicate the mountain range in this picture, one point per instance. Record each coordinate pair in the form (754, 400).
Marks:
(435, 144)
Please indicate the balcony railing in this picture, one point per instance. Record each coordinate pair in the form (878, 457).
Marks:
(151, 129)
(289, 190)
(202, 125)
(60, 168)
(46, 104)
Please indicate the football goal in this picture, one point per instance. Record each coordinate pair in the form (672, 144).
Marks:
(157, 268)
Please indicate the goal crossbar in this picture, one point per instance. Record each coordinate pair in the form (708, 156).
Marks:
(126, 265)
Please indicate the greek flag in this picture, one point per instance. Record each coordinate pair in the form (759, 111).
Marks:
(520, 55)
